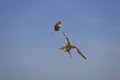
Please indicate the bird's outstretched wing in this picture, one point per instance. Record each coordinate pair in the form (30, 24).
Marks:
(79, 52)
(66, 38)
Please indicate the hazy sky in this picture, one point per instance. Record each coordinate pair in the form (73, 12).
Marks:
(26, 52)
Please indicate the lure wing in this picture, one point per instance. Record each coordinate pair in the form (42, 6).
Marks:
(57, 26)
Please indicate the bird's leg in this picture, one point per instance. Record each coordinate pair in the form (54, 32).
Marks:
(70, 53)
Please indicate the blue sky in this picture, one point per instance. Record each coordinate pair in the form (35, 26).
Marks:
(27, 53)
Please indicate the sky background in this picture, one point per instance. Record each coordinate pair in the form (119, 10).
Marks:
(27, 52)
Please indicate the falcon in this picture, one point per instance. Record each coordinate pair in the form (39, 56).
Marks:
(67, 47)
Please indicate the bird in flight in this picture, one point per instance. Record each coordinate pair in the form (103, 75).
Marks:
(67, 47)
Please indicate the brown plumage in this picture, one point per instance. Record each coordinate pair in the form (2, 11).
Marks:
(67, 47)
(57, 26)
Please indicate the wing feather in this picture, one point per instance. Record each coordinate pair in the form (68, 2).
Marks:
(79, 52)
(68, 41)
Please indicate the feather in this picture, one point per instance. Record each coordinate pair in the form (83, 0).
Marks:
(79, 52)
